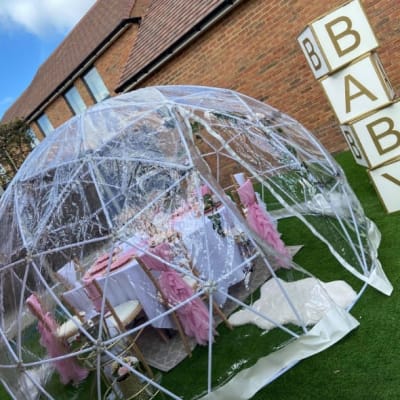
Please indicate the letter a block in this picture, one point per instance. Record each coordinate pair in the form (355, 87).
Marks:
(387, 183)
(378, 135)
(337, 38)
(358, 89)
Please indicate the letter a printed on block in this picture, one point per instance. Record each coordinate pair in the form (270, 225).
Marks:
(358, 89)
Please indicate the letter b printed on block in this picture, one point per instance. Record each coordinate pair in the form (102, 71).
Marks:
(314, 56)
(378, 135)
(353, 145)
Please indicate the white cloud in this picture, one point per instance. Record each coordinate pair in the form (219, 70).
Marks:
(42, 17)
(6, 100)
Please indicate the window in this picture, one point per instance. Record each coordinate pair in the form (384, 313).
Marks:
(45, 124)
(75, 100)
(34, 140)
(96, 85)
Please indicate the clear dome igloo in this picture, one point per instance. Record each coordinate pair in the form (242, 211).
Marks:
(140, 246)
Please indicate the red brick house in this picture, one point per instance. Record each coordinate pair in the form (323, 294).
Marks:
(246, 45)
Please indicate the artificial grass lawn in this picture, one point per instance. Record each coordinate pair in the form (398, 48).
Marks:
(362, 366)
(365, 364)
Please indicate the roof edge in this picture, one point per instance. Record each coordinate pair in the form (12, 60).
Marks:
(117, 31)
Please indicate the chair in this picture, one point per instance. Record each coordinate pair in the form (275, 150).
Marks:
(192, 279)
(68, 368)
(174, 287)
(81, 308)
(262, 223)
(237, 180)
(165, 303)
(118, 316)
(69, 328)
(194, 284)
(67, 275)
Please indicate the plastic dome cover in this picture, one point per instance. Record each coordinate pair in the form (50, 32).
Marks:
(136, 258)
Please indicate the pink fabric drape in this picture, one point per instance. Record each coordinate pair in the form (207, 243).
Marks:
(193, 315)
(205, 190)
(68, 368)
(262, 224)
(100, 266)
(122, 259)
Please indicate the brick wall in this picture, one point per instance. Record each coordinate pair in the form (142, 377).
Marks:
(37, 131)
(111, 63)
(254, 50)
(59, 111)
(84, 92)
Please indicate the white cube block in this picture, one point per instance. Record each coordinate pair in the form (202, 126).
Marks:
(378, 135)
(358, 89)
(314, 55)
(337, 38)
(386, 180)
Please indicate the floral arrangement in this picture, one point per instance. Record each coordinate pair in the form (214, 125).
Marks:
(121, 372)
(209, 206)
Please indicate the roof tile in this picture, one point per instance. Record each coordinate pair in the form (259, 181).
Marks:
(165, 22)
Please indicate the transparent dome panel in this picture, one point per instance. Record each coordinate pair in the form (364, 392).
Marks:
(146, 240)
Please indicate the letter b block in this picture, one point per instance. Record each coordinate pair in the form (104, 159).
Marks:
(353, 144)
(378, 135)
(337, 38)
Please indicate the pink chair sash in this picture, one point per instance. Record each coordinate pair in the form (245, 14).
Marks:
(193, 315)
(262, 224)
(93, 293)
(68, 368)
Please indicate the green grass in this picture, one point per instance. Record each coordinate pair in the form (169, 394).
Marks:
(364, 365)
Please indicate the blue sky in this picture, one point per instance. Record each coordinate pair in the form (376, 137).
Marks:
(29, 31)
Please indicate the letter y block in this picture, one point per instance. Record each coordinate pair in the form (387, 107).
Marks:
(386, 180)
